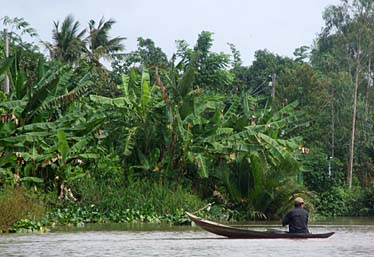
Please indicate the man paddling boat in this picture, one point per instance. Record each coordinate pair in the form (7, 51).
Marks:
(297, 219)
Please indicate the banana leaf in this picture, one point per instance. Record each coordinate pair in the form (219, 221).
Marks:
(4, 66)
(62, 145)
(145, 90)
(31, 179)
(202, 166)
(9, 105)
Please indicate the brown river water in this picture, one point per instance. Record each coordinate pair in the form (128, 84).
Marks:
(354, 237)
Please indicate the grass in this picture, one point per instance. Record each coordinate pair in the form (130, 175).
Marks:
(17, 204)
(138, 201)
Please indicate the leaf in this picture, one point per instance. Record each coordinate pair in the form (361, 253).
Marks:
(130, 141)
(63, 100)
(20, 140)
(4, 66)
(280, 153)
(38, 126)
(121, 102)
(40, 68)
(71, 176)
(44, 88)
(232, 110)
(219, 135)
(227, 131)
(285, 111)
(124, 87)
(183, 133)
(62, 145)
(20, 85)
(145, 90)
(27, 156)
(206, 104)
(88, 126)
(31, 179)
(201, 165)
(246, 107)
(9, 105)
(8, 158)
(79, 147)
(88, 156)
(185, 84)
(101, 99)
(257, 170)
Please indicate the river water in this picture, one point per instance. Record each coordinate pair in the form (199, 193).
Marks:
(352, 238)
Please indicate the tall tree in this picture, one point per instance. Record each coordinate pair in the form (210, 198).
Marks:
(350, 23)
(100, 45)
(68, 42)
(211, 71)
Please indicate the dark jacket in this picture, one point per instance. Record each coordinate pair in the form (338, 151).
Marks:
(297, 220)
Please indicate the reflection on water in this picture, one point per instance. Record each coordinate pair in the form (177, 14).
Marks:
(163, 240)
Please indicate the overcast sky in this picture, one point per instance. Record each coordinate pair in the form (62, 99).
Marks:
(280, 26)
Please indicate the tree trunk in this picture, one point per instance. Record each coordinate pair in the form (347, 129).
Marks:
(352, 144)
(331, 157)
(6, 48)
(367, 100)
(273, 78)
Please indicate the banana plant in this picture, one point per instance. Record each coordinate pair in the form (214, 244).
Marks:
(261, 157)
(33, 114)
(127, 115)
(70, 156)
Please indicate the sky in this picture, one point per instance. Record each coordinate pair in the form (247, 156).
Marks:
(279, 26)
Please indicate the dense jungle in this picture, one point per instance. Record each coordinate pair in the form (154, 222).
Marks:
(90, 133)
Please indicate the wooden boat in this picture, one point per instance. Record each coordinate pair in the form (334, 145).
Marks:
(233, 232)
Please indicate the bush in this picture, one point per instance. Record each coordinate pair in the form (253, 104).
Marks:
(341, 201)
(17, 204)
(144, 201)
(369, 201)
(364, 204)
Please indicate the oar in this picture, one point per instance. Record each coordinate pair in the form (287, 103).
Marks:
(207, 207)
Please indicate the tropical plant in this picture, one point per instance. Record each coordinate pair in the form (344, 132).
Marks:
(32, 117)
(99, 44)
(348, 26)
(211, 73)
(68, 42)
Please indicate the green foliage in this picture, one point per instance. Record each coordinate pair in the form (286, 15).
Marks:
(26, 225)
(338, 201)
(102, 200)
(20, 25)
(133, 143)
(100, 45)
(211, 73)
(34, 115)
(316, 171)
(366, 204)
(68, 40)
(259, 74)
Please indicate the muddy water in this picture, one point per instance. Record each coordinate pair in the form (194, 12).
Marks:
(352, 238)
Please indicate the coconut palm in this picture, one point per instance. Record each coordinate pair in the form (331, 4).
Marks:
(68, 43)
(100, 45)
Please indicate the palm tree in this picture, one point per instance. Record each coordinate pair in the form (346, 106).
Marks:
(100, 45)
(68, 43)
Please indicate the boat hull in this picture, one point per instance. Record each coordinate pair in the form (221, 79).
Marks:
(232, 232)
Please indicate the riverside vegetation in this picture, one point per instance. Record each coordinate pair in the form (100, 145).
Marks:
(153, 136)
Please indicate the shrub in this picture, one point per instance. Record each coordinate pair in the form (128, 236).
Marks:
(138, 200)
(339, 201)
(17, 204)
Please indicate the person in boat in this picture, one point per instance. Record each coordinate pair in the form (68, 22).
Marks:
(297, 219)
